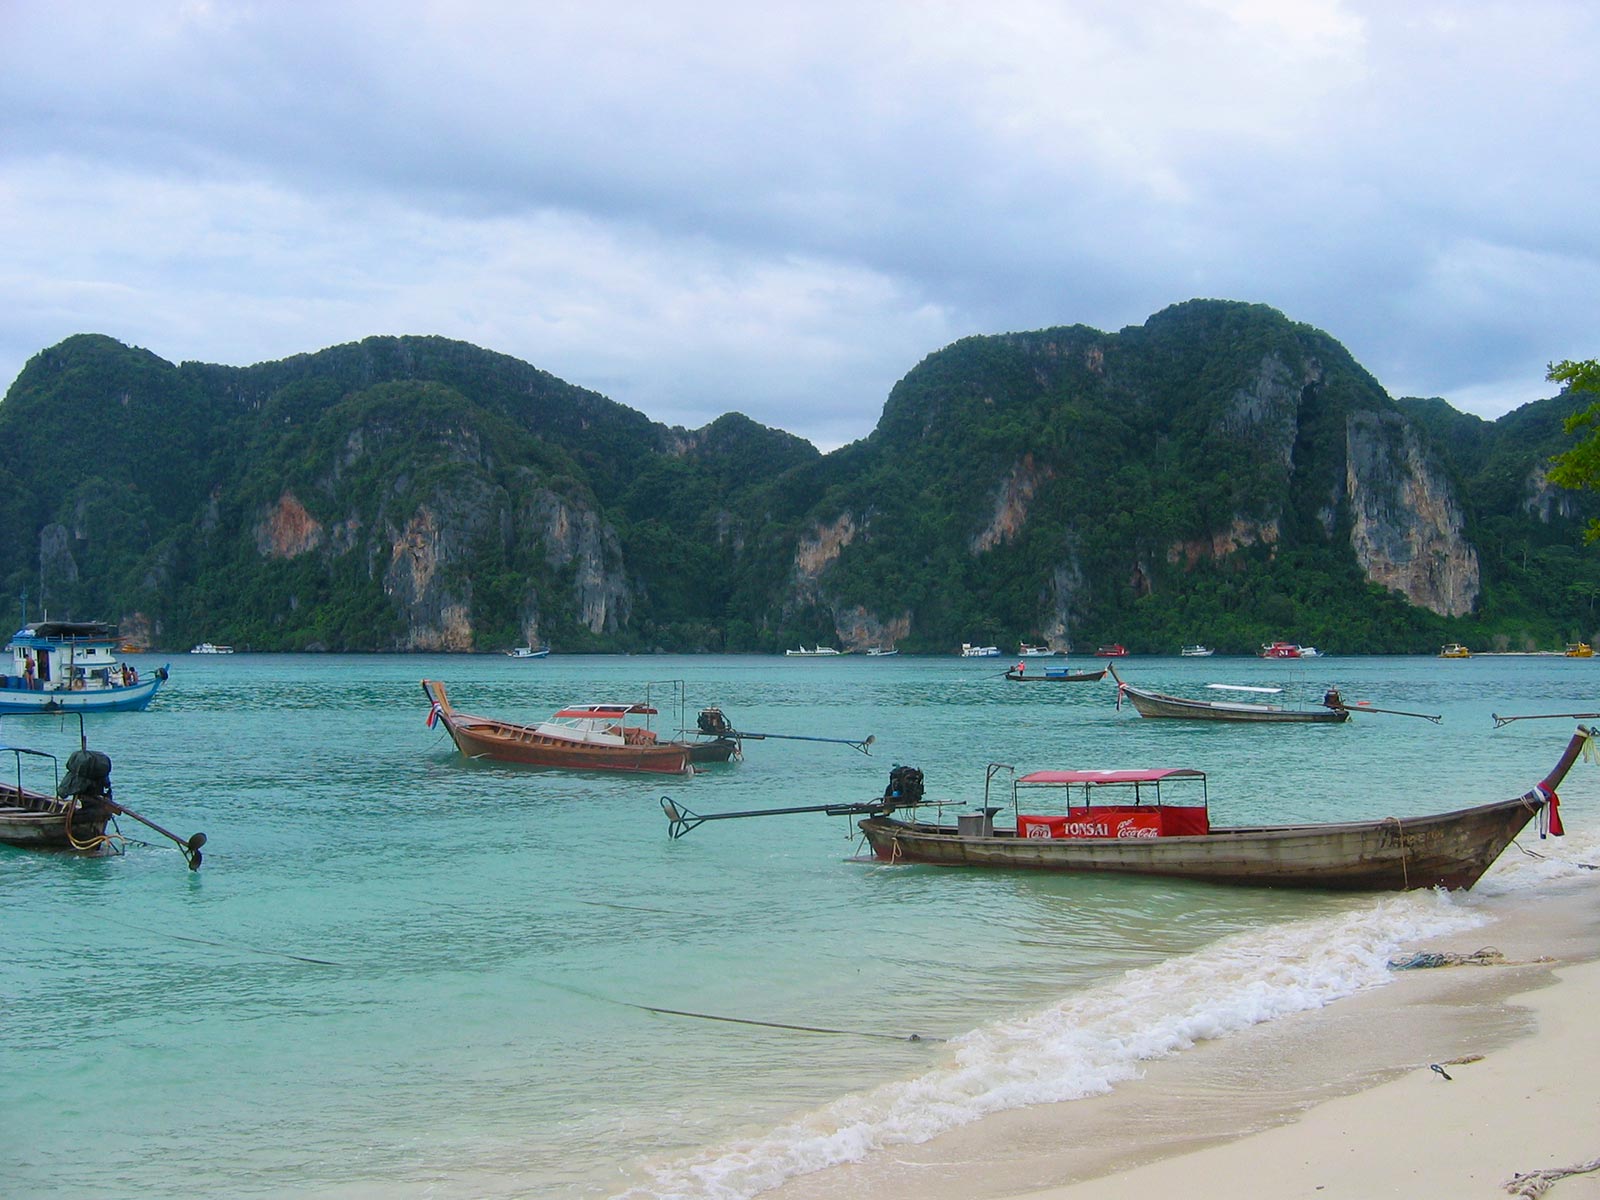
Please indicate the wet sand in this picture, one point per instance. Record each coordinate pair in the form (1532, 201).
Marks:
(1339, 1102)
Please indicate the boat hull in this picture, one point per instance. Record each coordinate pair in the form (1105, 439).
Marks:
(1450, 850)
(1155, 704)
(503, 741)
(113, 699)
(40, 822)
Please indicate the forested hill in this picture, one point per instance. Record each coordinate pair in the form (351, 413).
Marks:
(1218, 474)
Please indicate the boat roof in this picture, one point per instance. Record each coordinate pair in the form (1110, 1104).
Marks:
(604, 710)
(67, 629)
(1135, 775)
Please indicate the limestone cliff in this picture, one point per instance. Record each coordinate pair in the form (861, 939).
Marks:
(1407, 525)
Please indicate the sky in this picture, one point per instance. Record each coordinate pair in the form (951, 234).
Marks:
(780, 209)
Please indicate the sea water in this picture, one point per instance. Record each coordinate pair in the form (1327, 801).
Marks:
(401, 973)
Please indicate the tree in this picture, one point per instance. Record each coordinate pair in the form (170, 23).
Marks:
(1579, 467)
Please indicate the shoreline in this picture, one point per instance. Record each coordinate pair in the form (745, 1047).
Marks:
(1340, 1101)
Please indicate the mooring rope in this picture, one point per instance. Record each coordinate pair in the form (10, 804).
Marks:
(321, 962)
(1537, 1183)
(700, 1016)
(1487, 957)
(1582, 866)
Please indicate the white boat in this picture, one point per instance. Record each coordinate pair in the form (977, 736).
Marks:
(60, 666)
(880, 652)
(968, 650)
(1028, 651)
(818, 652)
(210, 648)
(527, 652)
(1197, 651)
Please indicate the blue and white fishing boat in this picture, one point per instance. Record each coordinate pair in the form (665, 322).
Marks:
(62, 666)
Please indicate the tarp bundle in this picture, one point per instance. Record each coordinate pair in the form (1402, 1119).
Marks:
(88, 774)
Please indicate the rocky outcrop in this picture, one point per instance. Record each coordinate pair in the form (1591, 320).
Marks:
(287, 530)
(574, 537)
(860, 629)
(1406, 524)
(819, 548)
(1012, 498)
(437, 617)
(1546, 501)
(1265, 413)
(1242, 532)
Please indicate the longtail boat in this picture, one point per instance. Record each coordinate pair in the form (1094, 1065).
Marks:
(1160, 704)
(1019, 674)
(588, 737)
(74, 813)
(1157, 822)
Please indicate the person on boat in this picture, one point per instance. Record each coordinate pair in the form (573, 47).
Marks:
(1022, 667)
(28, 681)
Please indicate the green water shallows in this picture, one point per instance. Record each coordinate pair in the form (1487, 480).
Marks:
(401, 973)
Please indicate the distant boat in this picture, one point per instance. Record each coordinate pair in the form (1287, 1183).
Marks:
(1028, 651)
(1114, 650)
(1196, 651)
(968, 650)
(816, 652)
(1285, 650)
(61, 666)
(1454, 650)
(880, 652)
(210, 648)
(527, 652)
(1019, 674)
(1579, 650)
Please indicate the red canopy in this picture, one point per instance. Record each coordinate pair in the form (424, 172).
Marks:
(1136, 775)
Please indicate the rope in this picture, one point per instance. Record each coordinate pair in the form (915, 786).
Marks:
(1582, 866)
(115, 840)
(678, 1012)
(1400, 839)
(1536, 1183)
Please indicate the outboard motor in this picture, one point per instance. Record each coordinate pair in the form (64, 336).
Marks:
(905, 787)
(714, 724)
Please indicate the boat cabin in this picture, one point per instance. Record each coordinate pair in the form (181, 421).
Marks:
(601, 725)
(64, 655)
(1167, 802)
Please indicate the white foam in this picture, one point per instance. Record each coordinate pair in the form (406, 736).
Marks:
(1084, 1044)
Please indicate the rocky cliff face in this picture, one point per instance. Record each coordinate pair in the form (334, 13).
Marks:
(576, 538)
(1011, 502)
(1407, 530)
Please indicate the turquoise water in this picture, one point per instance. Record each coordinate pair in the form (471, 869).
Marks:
(400, 973)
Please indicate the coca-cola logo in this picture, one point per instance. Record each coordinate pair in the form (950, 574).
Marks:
(1132, 827)
(1037, 829)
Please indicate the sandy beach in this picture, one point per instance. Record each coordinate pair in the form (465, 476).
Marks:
(1342, 1101)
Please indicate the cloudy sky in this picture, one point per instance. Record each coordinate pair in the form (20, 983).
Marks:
(695, 207)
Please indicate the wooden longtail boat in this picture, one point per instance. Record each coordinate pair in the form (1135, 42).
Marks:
(1053, 675)
(1135, 823)
(39, 819)
(1160, 704)
(588, 737)
(74, 815)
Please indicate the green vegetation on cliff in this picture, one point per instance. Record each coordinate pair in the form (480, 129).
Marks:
(1218, 474)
